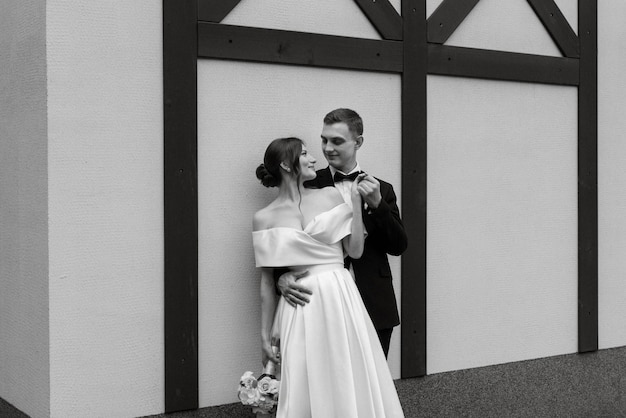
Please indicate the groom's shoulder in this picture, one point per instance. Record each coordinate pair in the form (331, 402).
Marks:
(321, 180)
(322, 172)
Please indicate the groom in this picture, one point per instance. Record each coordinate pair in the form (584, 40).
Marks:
(342, 136)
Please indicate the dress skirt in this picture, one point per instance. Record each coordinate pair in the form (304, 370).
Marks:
(332, 364)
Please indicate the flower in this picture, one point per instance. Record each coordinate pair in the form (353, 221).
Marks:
(261, 394)
(264, 405)
(268, 385)
(249, 396)
(248, 381)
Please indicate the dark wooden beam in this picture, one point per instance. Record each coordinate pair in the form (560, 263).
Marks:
(588, 177)
(384, 17)
(299, 48)
(557, 26)
(496, 65)
(414, 140)
(446, 18)
(215, 10)
(181, 204)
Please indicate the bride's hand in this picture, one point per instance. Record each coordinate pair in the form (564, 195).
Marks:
(268, 354)
(354, 191)
(369, 189)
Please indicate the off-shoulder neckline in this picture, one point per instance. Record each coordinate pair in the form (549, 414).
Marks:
(307, 225)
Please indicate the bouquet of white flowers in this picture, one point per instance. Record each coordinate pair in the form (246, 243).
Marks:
(262, 393)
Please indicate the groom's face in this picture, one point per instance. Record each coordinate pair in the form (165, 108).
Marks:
(339, 146)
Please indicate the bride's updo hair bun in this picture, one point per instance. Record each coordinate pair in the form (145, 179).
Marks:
(266, 178)
(279, 150)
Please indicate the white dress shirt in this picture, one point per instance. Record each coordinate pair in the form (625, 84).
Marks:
(345, 186)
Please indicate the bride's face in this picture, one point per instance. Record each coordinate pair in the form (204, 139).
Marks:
(307, 165)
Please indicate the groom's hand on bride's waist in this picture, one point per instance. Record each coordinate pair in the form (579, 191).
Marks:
(293, 292)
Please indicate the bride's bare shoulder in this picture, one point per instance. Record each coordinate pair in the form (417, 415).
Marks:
(261, 219)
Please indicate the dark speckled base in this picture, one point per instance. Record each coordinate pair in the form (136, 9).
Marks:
(576, 385)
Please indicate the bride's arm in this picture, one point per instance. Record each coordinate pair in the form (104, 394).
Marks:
(268, 307)
(354, 243)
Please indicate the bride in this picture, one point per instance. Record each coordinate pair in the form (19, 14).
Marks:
(332, 364)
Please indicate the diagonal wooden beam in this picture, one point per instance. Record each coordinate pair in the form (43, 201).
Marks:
(497, 65)
(448, 16)
(215, 10)
(557, 26)
(384, 17)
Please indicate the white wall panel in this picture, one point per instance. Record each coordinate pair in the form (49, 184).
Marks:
(241, 108)
(431, 6)
(504, 25)
(611, 173)
(569, 8)
(105, 110)
(331, 17)
(502, 216)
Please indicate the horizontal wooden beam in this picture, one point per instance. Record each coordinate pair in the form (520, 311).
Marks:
(497, 65)
(298, 48)
(446, 18)
(215, 10)
(557, 26)
(384, 17)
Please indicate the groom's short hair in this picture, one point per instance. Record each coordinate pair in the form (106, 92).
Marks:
(347, 116)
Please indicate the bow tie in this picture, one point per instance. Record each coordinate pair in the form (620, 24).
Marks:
(341, 177)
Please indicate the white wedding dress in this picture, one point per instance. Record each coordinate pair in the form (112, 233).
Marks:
(332, 364)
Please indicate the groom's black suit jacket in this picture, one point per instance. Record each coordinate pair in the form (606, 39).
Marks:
(385, 235)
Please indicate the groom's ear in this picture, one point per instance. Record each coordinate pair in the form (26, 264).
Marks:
(359, 141)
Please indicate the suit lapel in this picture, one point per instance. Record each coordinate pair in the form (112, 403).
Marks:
(324, 179)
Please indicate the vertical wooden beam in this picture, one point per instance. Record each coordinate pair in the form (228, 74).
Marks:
(414, 188)
(181, 204)
(588, 177)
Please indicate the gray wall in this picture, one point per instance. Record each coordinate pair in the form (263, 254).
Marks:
(24, 320)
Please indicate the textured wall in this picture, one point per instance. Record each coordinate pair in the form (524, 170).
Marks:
(509, 25)
(502, 204)
(24, 370)
(331, 17)
(502, 216)
(611, 172)
(105, 207)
